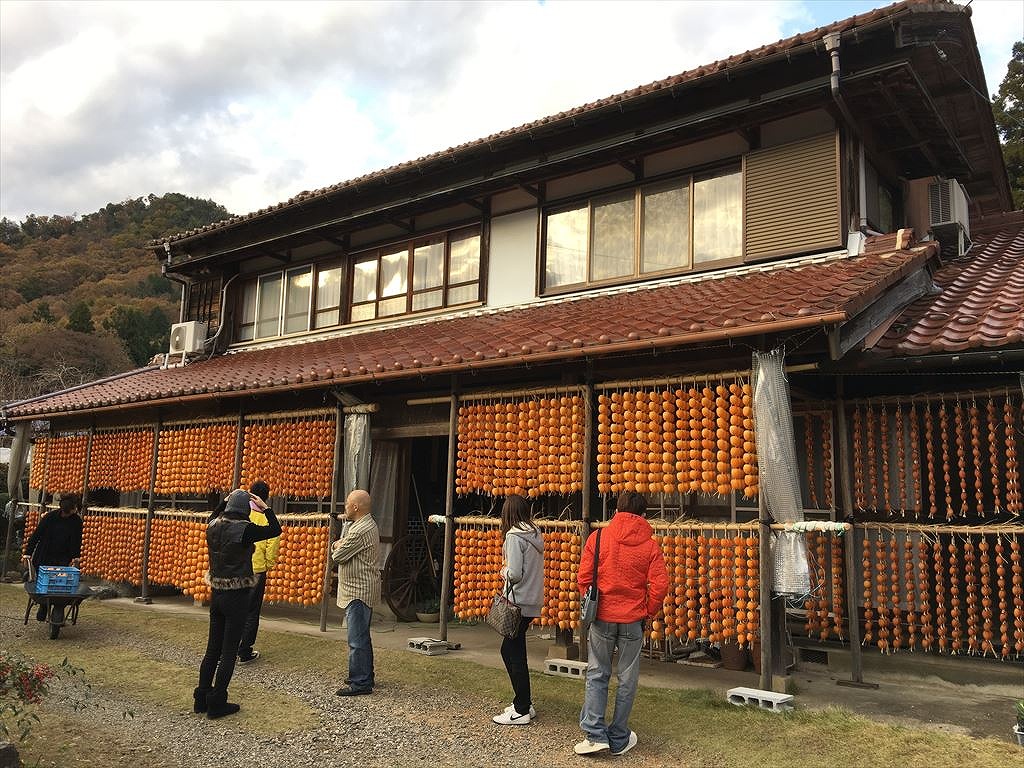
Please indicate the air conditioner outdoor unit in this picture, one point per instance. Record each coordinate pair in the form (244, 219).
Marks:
(948, 216)
(187, 337)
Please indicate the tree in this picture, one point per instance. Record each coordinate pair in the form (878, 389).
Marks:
(1008, 111)
(143, 334)
(42, 313)
(80, 318)
(39, 357)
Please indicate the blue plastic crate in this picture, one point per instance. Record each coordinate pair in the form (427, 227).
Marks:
(57, 579)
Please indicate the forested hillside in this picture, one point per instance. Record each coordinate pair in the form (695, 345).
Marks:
(81, 298)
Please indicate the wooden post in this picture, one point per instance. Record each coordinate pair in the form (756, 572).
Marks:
(144, 597)
(339, 447)
(764, 558)
(449, 513)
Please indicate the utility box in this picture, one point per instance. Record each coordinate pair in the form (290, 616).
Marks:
(187, 337)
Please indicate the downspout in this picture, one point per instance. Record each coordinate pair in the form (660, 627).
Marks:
(185, 284)
(832, 42)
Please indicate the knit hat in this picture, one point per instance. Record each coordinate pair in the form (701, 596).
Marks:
(238, 503)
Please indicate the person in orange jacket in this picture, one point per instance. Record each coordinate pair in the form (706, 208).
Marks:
(264, 558)
(632, 583)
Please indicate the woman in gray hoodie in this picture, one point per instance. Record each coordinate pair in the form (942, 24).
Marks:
(523, 576)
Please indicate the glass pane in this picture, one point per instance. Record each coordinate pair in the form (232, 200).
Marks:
(364, 281)
(394, 273)
(296, 300)
(327, 318)
(464, 261)
(565, 253)
(247, 314)
(363, 312)
(389, 307)
(464, 294)
(718, 218)
(612, 242)
(428, 300)
(328, 297)
(428, 266)
(666, 220)
(268, 313)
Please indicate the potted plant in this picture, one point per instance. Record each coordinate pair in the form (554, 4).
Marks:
(1018, 729)
(428, 611)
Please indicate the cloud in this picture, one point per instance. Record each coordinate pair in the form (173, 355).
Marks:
(251, 103)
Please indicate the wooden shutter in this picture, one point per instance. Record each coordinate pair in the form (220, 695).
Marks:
(791, 198)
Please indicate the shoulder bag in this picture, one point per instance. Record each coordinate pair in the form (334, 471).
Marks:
(588, 609)
(504, 615)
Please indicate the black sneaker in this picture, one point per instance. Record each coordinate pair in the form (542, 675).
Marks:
(249, 659)
(350, 691)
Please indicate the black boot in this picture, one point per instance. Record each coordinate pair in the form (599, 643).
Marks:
(217, 705)
(199, 700)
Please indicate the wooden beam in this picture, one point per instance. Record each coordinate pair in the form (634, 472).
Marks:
(532, 190)
(407, 226)
(633, 167)
(273, 255)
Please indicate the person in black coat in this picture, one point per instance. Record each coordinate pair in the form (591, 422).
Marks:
(57, 540)
(230, 540)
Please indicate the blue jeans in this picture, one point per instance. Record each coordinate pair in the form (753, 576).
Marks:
(360, 649)
(604, 638)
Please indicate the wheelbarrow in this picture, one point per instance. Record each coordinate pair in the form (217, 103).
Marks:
(61, 608)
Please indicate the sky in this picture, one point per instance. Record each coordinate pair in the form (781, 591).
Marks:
(250, 103)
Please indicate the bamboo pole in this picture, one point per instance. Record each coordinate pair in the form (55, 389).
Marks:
(489, 395)
(197, 422)
(281, 415)
(935, 397)
(976, 530)
(696, 378)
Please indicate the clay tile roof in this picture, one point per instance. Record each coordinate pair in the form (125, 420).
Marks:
(981, 303)
(789, 44)
(772, 299)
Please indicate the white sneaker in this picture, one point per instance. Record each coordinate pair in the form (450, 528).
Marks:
(511, 717)
(629, 744)
(512, 708)
(588, 747)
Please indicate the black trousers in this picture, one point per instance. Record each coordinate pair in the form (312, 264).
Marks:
(252, 618)
(513, 653)
(227, 619)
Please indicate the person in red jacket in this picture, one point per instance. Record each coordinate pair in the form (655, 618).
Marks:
(631, 582)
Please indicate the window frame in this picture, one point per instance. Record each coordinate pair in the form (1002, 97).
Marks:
(662, 181)
(255, 282)
(409, 246)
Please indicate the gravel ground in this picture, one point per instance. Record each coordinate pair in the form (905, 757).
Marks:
(396, 726)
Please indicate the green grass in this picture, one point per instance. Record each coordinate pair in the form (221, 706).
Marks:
(686, 728)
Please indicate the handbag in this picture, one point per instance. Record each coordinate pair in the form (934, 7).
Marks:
(504, 615)
(588, 608)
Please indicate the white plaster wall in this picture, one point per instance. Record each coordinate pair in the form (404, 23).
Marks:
(512, 266)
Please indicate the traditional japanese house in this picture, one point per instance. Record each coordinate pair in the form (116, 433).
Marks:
(569, 308)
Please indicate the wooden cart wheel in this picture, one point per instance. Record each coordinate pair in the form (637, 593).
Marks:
(409, 575)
